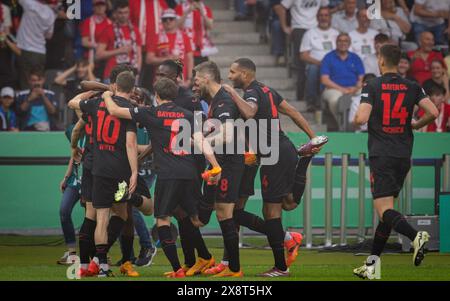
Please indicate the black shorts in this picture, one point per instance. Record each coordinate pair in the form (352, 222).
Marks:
(103, 192)
(387, 175)
(227, 190)
(142, 188)
(247, 187)
(277, 180)
(86, 185)
(169, 194)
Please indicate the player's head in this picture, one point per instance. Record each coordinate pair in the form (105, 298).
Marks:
(170, 69)
(324, 17)
(125, 82)
(206, 75)
(165, 90)
(121, 11)
(115, 73)
(242, 73)
(389, 58)
(343, 42)
(437, 95)
(36, 78)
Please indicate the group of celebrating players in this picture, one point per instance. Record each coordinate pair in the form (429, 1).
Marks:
(185, 191)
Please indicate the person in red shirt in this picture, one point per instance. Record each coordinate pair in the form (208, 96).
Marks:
(422, 58)
(196, 19)
(120, 43)
(440, 124)
(91, 28)
(172, 44)
(146, 15)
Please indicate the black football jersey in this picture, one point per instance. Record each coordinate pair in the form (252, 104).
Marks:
(392, 99)
(109, 137)
(165, 122)
(88, 144)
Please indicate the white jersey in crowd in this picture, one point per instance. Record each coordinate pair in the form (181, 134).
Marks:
(431, 5)
(6, 17)
(36, 24)
(371, 65)
(363, 44)
(319, 42)
(304, 12)
(390, 27)
(342, 23)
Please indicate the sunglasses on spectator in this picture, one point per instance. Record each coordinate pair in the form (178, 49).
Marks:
(168, 19)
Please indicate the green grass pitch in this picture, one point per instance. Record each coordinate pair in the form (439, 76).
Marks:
(25, 258)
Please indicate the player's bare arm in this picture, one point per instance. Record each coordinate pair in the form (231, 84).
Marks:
(74, 103)
(431, 113)
(89, 85)
(75, 137)
(132, 154)
(223, 135)
(363, 114)
(288, 110)
(247, 109)
(202, 143)
(144, 151)
(113, 108)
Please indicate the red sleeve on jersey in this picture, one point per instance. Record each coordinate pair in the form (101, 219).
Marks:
(84, 28)
(107, 36)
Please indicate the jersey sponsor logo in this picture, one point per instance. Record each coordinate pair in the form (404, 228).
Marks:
(252, 99)
(226, 114)
(394, 87)
(165, 114)
(365, 95)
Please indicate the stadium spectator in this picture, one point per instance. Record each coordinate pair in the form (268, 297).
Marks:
(278, 37)
(431, 16)
(6, 50)
(356, 100)
(421, 58)
(395, 24)
(241, 9)
(316, 43)
(196, 19)
(35, 27)
(36, 106)
(91, 30)
(442, 122)
(5, 19)
(439, 76)
(8, 121)
(303, 17)
(120, 43)
(404, 67)
(172, 44)
(363, 37)
(346, 20)
(371, 61)
(341, 72)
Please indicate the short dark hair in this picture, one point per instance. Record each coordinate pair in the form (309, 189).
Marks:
(246, 64)
(82, 62)
(119, 69)
(405, 56)
(121, 4)
(436, 90)
(125, 81)
(166, 89)
(210, 68)
(381, 38)
(39, 72)
(391, 54)
(175, 66)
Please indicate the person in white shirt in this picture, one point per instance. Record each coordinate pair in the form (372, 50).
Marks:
(316, 43)
(371, 61)
(363, 38)
(430, 15)
(35, 28)
(356, 100)
(395, 24)
(345, 20)
(303, 17)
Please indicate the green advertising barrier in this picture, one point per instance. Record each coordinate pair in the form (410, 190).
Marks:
(444, 222)
(30, 197)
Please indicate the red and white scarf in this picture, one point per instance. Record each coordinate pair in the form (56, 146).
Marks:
(179, 48)
(438, 121)
(143, 19)
(120, 41)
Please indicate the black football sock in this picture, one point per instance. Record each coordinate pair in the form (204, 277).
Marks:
(136, 200)
(275, 235)
(86, 239)
(127, 247)
(204, 213)
(381, 237)
(115, 227)
(300, 178)
(169, 247)
(199, 242)
(187, 243)
(249, 220)
(231, 243)
(397, 221)
(101, 253)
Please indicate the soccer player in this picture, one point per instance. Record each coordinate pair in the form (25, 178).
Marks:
(225, 195)
(115, 161)
(387, 104)
(283, 183)
(177, 182)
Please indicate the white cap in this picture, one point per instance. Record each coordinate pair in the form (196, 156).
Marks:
(7, 91)
(169, 13)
